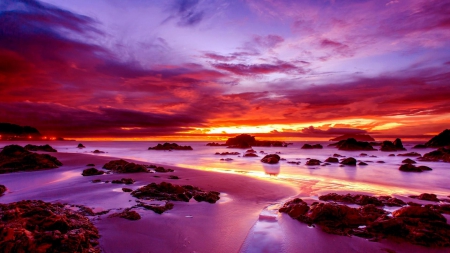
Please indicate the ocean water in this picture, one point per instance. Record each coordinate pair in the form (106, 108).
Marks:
(381, 178)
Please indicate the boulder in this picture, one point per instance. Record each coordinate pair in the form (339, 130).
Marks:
(332, 160)
(170, 146)
(313, 162)
(122, 166)
(295, 208)
(250, 155)
(442, 154)
(129, 215)
(408, 160)
(353, 145)
(2, 189)
(271, 159)
(349, 161)
(163, 170)
(392, 146)
(408, 167)
(419, 212)
(362, 163)
(92, 172)
(309, 146)
(46, 148)
(15, 158)
(440, 140)
(123, 181)
(80, 145)
(411, 154)
(98, 151)
(426, 196)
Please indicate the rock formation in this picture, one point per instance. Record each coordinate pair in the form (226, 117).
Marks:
(46, 148)
(15, 158)
(170, 146)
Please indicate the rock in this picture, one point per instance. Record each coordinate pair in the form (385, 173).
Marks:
(250, 151)
(250, 155)
(227, 159)
(398, 144)
(2, 189)
(391, 155)
(37, 226)
(159, 209)
(124, 189)
(392, 146)
(228, 153)
(46, 148)
(96, 181)
(441, 140)
(353, 145)
(163, 170)
(358, 199)
(419, 212)
(92, 172)
(271, 159)
(168, 191)
(309, 146)
(122, 166)
(338, 155)
(381, 162)
(358, 137)
(420, 146)
(170, 146)
(362, 163)
(123, 181)
(363, 154)
(408, 160)
(173, 177)
(98, 152)
(349, 161)
(130, 215)
(215, 144)
(426, 196)
(412, 168)
(442, 154)
(411, 154)
(313, 162)
(332, 160)
(80, 146)
(247, 141)
(15, 158)
(90, 165)
(295, 208)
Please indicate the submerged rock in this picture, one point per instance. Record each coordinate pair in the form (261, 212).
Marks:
(122, 166)
(92, 172)
(123, 181)
(163, 170)
(309, 146)
(271, 159)
(313, 162)
(46, 148)
(250, 155)
(408, 160)
(15, 158)
(408, 167)
(412, 154)
(37, 226)
(2, 189)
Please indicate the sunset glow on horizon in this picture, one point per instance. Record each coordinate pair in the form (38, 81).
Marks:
(207, 70)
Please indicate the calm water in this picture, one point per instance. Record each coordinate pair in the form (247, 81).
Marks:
(371, 177)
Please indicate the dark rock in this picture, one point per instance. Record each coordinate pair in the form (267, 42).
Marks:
(98, 152)
(419, 212)
(163, 170)
(411, 154)
(353, 145)
(398, 144)
(96, 181)
(130, 215)
(412, 168)
(250, 155)
(80, 146)
(426, 196)
(420, 146)
(442, 154)
(90, 165)
(392, 146)
(440, 140)
(215, 144)
(92, 172)
(228, 153)
(271, 159)
(358, 199)
(313, 162)
(363, 154)
(349, 161)
(173, 177)
(362, 163)
(122, 166)
(170, 146)
(123, 181)
(358, 137)
(124, 189)
(2, 189)
(37, 226)
(159, 209)
(332, 160)
(391, 155)
(250, 151)
(309, 146)
(15, 158)
(408, 160)
(46, 148)
(247, 141)
(338, 155)
(295, 208)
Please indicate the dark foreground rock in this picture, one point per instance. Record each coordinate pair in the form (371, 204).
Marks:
(170, 146)
(15, 158)
(408, 167)
(127, 214)
(46, 148)
(442, 154)
(353, 145)
(271, 159)
(313, 162)
(360, 199)
(397, 145)
(37, 226)
(332, 160)
(309, 146)
(414, 224)
(440, 140)
(349, 161)
(168, 191)
(426, 196)
(123, 181)
(2, 189)
(122, 166)
(92, 172)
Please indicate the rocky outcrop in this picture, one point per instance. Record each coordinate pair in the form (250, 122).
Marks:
(426, 196)
(248, 141)
(408, 167)
(10, 131)
(168, 191)
(442, 154)
(250, 155)
(420, 146)
(170, 146)
(349, 161)
(313, 162)
(127, 214)
(15, 158)
(214, 144)
(413, 224)
(92, 172)
(98, 151)
(408, 160)
(411, 154)
(80, 145)
(360, 199)
(123, 181)
(332, 160)
(157, 208)
(309, 146)
(271, 159)
(353, 145)
(162, 169)
(440, 140)
(397, 145)
(2, 189)
(122, 166)
(46, 148)
(358, 137)
(228, 153)
(37, 226)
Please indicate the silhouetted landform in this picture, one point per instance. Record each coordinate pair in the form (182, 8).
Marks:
(228, 153)
(352, 145)
(248, 141)
(98, 151)
(408, 223)
(409, 167)
(397, 145)
(2, 189)
(46, 148)
(271, 159)
(309, 146)
(92, 172)
(332, 160)
(122, 166)
(170, 146)
(441, 154)
(426, 196)
(15, 132)
(215, 144)
(358, 137)
(15, 158)
(250, 155)
(440, 140)
(349, 161)
(171, 192)
(408, 160)
(37, 226)
(80, 145)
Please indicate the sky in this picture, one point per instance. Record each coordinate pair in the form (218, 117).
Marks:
(206, 69)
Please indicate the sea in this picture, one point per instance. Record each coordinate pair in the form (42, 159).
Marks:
(380, 176)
